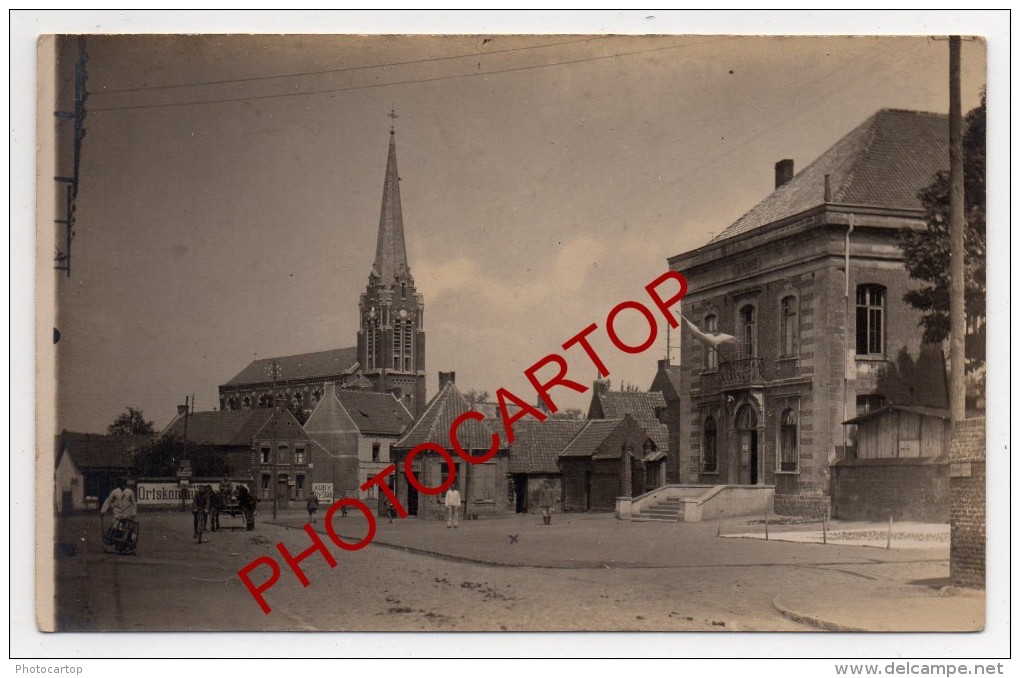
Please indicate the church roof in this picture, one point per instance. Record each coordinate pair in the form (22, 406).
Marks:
(884, 162)
(299, 367)
(378, 413)
(434, 424)
(390, 250)
(537, 444)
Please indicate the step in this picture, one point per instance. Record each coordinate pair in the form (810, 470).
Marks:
(659, 511)
(646, 518)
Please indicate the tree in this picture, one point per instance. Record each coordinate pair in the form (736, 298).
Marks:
(160, 459)
(474, 397)
(130, 423)
(572, 413)
(926, 251)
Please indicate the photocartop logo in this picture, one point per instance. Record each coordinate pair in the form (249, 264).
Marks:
(662, 302)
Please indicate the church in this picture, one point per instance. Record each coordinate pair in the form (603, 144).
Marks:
(390, 353)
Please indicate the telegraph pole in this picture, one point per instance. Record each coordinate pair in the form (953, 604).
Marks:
(272, 445)
(957, 310)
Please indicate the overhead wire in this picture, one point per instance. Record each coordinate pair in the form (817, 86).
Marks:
(149, 88)
(412, 81)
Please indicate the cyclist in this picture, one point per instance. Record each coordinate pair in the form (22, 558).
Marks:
(200, 508)
(122, 504)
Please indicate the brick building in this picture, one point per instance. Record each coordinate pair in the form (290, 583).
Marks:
(248, 440)
(811, 283)
(390, 352)
(88, 466)
(605, 460)
(355, 429)
(485, 488)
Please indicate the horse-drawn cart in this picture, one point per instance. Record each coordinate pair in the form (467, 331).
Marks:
(240, 503)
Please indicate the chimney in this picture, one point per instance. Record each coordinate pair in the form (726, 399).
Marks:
(447, 377)
(784, 172)
(827, 190)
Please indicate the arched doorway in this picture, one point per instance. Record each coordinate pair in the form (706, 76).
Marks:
(746, 425)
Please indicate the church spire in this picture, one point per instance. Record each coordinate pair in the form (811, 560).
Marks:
(390, 251)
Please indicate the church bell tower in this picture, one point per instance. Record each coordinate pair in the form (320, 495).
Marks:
(391, 338)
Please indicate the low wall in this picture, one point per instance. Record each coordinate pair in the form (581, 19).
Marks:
(912, 489)
(702, 502)
(806, 505)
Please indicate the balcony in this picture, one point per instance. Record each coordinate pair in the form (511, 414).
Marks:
(741, 373)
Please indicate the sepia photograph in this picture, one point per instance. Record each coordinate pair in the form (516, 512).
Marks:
(513, 332)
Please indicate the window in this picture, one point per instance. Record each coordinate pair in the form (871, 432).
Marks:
(870, 320)
(708, 450)
(299, 456)
(264, 486)
(370, 342)
(281, 451)
(788, 441)
(376, 447)
(748, 332)
(869, 403)
(789, 326)
(711, 357)
(264, 455)
(299, 487)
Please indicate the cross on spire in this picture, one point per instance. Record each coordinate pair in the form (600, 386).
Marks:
(392, 115)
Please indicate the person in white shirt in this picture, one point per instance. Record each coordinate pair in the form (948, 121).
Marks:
(452, 507)
(122, 504)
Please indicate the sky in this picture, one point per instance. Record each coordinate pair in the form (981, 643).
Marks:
(534, 200)
(231, 187)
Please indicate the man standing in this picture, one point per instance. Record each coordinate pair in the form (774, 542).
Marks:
(546, 501)
(452, 507)
(312, 505)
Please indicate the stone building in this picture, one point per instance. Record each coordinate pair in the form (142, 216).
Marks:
(390, 353)
(811, 283)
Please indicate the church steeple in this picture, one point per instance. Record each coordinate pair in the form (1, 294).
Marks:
(390, 251)
(391, 338)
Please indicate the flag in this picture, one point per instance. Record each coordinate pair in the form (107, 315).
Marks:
(712, 340)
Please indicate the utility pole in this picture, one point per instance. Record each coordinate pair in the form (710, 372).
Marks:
(275, 365)
(957, 310)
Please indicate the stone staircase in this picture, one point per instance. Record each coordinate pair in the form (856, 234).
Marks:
(668, 510)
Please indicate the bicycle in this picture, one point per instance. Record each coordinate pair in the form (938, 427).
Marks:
(203, 517)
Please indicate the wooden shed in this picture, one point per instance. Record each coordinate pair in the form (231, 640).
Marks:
(900, 466)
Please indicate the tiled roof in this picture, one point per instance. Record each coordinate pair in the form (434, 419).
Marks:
(884, 162)
(642, 407)
(375, 412)
(233, 428)
(434, 424)
(538, 444)
(92, 450)
(588, 439)
(668, 376)
(322, 364)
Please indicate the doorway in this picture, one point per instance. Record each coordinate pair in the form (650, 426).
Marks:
(749, 457)
(747, 442)
(520, 493)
